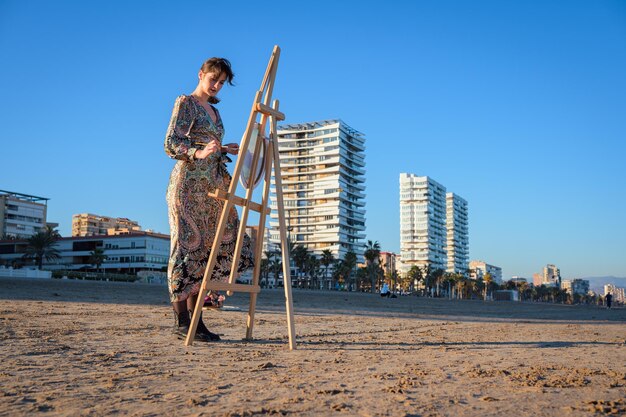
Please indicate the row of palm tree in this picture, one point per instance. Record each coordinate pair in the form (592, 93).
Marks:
(325, 271)
(312, 272)
(42, 246)
(437, 283)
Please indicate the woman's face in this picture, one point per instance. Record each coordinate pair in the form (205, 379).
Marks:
(211, 83)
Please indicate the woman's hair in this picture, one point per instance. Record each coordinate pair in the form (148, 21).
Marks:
(219, 66)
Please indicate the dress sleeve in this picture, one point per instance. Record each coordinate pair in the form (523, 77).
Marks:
(178, 144)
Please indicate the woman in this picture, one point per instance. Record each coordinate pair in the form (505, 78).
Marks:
(194, 138)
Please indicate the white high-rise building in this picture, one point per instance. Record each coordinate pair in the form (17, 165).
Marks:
(323, 176)
(422, 223)
(457, 238)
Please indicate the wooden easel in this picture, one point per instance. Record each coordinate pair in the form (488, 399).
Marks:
(269, 115)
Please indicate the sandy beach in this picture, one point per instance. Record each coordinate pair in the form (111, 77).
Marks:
(101, 348)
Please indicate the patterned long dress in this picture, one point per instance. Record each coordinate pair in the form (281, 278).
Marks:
(193, 215)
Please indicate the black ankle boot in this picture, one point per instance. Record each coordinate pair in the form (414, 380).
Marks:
(181, 324)
(204, 331)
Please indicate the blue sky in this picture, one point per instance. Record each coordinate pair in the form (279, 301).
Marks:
(517, 106)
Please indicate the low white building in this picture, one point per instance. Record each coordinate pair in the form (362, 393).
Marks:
(478, 270)
(575, 286)
(129, 253)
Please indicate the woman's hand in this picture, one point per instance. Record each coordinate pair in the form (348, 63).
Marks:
(231, 148)
(209, 149)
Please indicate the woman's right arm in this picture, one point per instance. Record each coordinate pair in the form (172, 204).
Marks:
(178, 144)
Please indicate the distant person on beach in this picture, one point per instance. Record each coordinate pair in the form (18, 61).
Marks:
(384, 291)
(608, 298)
(194, 138)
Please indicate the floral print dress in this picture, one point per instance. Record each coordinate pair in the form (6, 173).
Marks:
(193, 215)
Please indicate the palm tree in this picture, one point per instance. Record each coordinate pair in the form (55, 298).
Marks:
(300, 256)
(488, 279)
(435, 278)
(266, 266)
(327, 260)
(371, 254)
(452, 279)
(415, 275)
(312, 267)
(361, 277)
(428, 274)
(405, 282)
(338, 273)
(476, 287)
(97, 257)
(275, 265)
(349, 263)
(393, 277)
(264, 271)
(463, 286)
(41, 246)
(457, 282)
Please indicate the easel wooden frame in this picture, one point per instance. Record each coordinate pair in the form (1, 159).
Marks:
(269, 114)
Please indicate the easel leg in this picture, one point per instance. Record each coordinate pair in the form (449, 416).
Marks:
(291, 327)
(258, 250)
(250, 321)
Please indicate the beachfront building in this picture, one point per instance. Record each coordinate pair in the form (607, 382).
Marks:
(323, 177)
(388, 262)
(86, 224)
(551, 276)
(422, 223)
(267, 243)
(399, 266)
(537, 279)
(518, 280)
(128, 253)
(478, 270)
(253, 234)
(457, 236)
(576, 286)
(618, 293)
(21, 215)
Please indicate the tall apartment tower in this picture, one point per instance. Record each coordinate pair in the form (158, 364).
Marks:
(457, 237)
(21, 215)
(422, 223)
(323, 176)
(86, 224)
